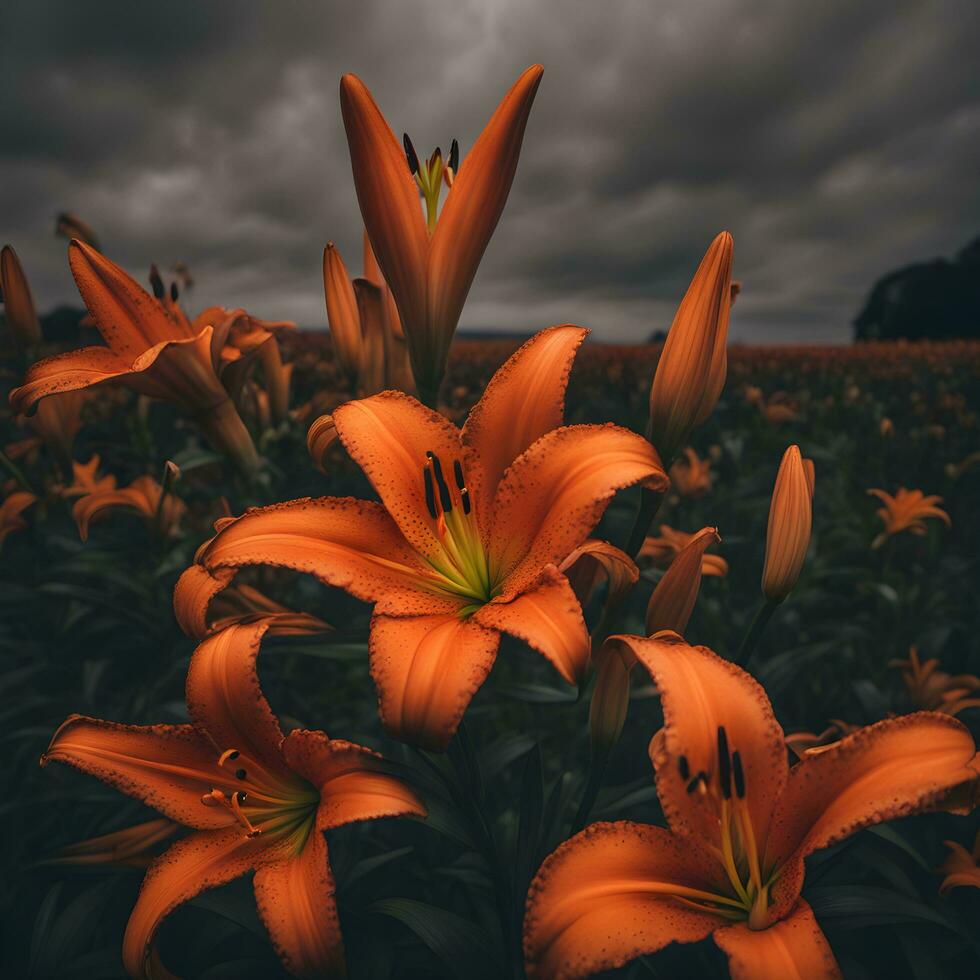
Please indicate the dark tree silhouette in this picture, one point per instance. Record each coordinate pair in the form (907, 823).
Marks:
(925, 301)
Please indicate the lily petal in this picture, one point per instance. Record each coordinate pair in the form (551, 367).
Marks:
(548, 618)
(794, 948)
(524, 399)
(352, 783)
(388, 198)
(352, 544)
(473, 207)
(388, 436)
(594, 559)
(342, 316)
(193, 593)
(296, 900)
(555, 492)
(225, 699)
(193, 865)
(128, 317)
(891, 769)
(168, 767)
(605, 897)
(69, 371)
(426, 670)
(700, 693)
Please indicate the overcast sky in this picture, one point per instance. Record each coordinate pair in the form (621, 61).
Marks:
(835, 140)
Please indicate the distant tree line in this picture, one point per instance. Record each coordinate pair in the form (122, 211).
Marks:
(925, 301)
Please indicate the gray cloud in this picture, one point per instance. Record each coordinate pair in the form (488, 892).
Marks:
(836, 141)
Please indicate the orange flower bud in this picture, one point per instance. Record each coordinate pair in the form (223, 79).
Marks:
(790, 520)
(673, 599)
(692, 367)
(610, 696)
(18, 305)
(342, 315)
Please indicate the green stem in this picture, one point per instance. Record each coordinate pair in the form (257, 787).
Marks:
(650, 501)
(759, 623)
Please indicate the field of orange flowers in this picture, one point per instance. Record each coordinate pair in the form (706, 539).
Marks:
(576, 659)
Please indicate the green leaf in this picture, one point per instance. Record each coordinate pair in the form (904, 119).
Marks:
(857, 906)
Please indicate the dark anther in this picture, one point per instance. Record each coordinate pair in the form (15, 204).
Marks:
(174, 292)
(444, 498)
(701, 777)
(430, 494)
(739, 775)
(683, 767)
(411, 155)
(242, 795)
(464, 496)
(724, 764)
(458, 473)
(240, 774)
(156, 282)
(454, 157)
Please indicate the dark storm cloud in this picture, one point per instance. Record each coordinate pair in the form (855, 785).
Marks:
(836, 141)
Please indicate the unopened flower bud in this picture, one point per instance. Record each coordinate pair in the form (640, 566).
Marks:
(790, 521)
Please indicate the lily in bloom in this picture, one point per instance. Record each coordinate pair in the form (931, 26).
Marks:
(86, 479)
(160, 509)
(961, 867)
(907, 511)
(741, 823)
(661, 551)
(255, 799)
(429, 262)
(152, 347)
(690, 476)
(936, 690)
(468, 537)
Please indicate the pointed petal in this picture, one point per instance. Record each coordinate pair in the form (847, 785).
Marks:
(193, 593)
(370, 309)
(168, 767)
(225, 699)
(70, 371)
(18, 304)
(604, 898)
(352, 782)
(474, 205)
(389, 201)
(193, 865)
(672, 601)
(296, 899)
(388, 436)
(793, 949)
(553, 494)
(91, 507)
(128, 317)
(342, 316)
(127, 848)
(524, 399)
(891, 769)
(426, 669)
(699, 693)
(790, 520)
(352, 544)
(547, 618)
(594, 559)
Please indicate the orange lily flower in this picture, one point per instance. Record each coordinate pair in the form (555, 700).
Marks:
(257, 801)
(906, 511)
(87, 479)
(54, 425)
(160, 509)
(961, 867)
(694, 362)
(206, 603)
(691, 476)
(429, 263)
(466, 542)
(790, 523)
(934, 689)
(741, 823)
(152, 348)
(130, 847)
(18, 304)
(10, 512)
(663, 550)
